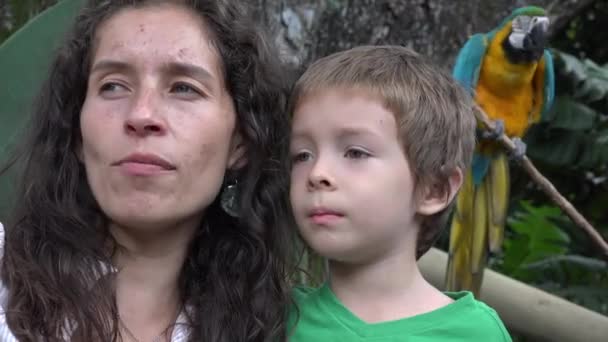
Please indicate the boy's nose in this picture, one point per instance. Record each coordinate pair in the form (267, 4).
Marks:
(319, 179)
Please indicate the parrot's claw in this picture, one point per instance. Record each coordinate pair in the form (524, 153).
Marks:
(494, 134)
(520, 149)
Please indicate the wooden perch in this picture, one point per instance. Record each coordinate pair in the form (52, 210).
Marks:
(547, 187)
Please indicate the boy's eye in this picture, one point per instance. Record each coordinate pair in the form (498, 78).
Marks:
(301, 157)
(355, 153)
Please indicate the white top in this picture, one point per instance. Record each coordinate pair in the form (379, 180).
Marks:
(180, 331)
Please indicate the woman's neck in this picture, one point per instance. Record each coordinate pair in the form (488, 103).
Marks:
(147, 291)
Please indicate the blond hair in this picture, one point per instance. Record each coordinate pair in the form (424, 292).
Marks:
(434, 114)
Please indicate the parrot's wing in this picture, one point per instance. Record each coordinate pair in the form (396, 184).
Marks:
(544, 88)
(469, 60)
(549, 84)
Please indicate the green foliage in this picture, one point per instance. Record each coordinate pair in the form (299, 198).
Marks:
(537, 251)
(570, 147)
(536, 237)
(575, 133)
(584, 35)
(15, 13)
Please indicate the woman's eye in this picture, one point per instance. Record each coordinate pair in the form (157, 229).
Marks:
(183, 88)
(355, 153)
(111, 87)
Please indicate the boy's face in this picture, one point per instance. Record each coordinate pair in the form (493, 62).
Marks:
(352, 189)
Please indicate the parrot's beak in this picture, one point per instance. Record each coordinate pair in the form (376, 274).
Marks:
(536, 37)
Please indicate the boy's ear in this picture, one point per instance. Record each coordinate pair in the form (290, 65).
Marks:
(435, 197)
(236, 157)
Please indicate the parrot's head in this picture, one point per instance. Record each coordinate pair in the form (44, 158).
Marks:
(529, 33)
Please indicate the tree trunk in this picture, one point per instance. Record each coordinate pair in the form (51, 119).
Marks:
(309, 29)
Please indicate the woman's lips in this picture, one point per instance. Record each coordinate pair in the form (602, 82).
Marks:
(144, 164)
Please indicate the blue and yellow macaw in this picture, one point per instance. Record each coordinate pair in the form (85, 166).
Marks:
(509, 72)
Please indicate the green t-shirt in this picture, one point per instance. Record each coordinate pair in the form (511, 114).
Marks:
(322, 318)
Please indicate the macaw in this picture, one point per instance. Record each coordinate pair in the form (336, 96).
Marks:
(509, 72)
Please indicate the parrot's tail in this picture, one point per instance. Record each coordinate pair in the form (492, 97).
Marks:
(498, 196)
(477, 226)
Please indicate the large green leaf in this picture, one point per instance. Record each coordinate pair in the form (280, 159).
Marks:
(591, 264)
(595, 87)
(590, 81)
(24, 62)
(556, 147)
(570, 66)
(537, 237)
(569, 114)
(595, 150)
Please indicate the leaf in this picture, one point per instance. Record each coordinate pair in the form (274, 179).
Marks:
(572, 115)
(557, 147)
(589, 79)
(545, 237)
(590, 264)
(594, 153)
(591, 90)
(570, 66)
(516, 250)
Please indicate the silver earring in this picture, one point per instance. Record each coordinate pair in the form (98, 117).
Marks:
(228, 199)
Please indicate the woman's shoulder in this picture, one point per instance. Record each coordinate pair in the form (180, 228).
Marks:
(3, 290)
(1, 240)
(5, 333)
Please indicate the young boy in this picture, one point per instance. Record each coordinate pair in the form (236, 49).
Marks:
(380, 141)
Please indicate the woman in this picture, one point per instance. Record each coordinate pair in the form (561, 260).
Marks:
(152, 197)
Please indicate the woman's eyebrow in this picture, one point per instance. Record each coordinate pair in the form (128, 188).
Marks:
(194, 71)
(112, 65)
(172, 68)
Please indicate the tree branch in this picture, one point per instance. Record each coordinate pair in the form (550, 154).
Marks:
(548, 187)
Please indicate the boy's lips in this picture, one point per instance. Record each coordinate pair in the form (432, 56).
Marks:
(323, 216)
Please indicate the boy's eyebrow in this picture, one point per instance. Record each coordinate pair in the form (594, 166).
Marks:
(343, 133)
(347, 132)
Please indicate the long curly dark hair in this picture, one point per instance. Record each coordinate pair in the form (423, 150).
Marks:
(57, 243)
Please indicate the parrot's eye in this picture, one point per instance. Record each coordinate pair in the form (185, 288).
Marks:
(521, 23)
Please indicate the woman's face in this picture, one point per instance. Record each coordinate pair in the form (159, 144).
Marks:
(158, 125)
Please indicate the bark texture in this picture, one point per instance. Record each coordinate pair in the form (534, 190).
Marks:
(309, 29)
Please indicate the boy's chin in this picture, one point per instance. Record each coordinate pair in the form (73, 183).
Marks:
(341, 253)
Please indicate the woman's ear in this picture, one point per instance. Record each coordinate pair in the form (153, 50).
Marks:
(78, 151)
(236, 157)
(436, 197)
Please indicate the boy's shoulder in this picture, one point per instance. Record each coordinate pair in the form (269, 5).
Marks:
(302, 292)
(465, 319)
(469, 317)
(304, 296)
